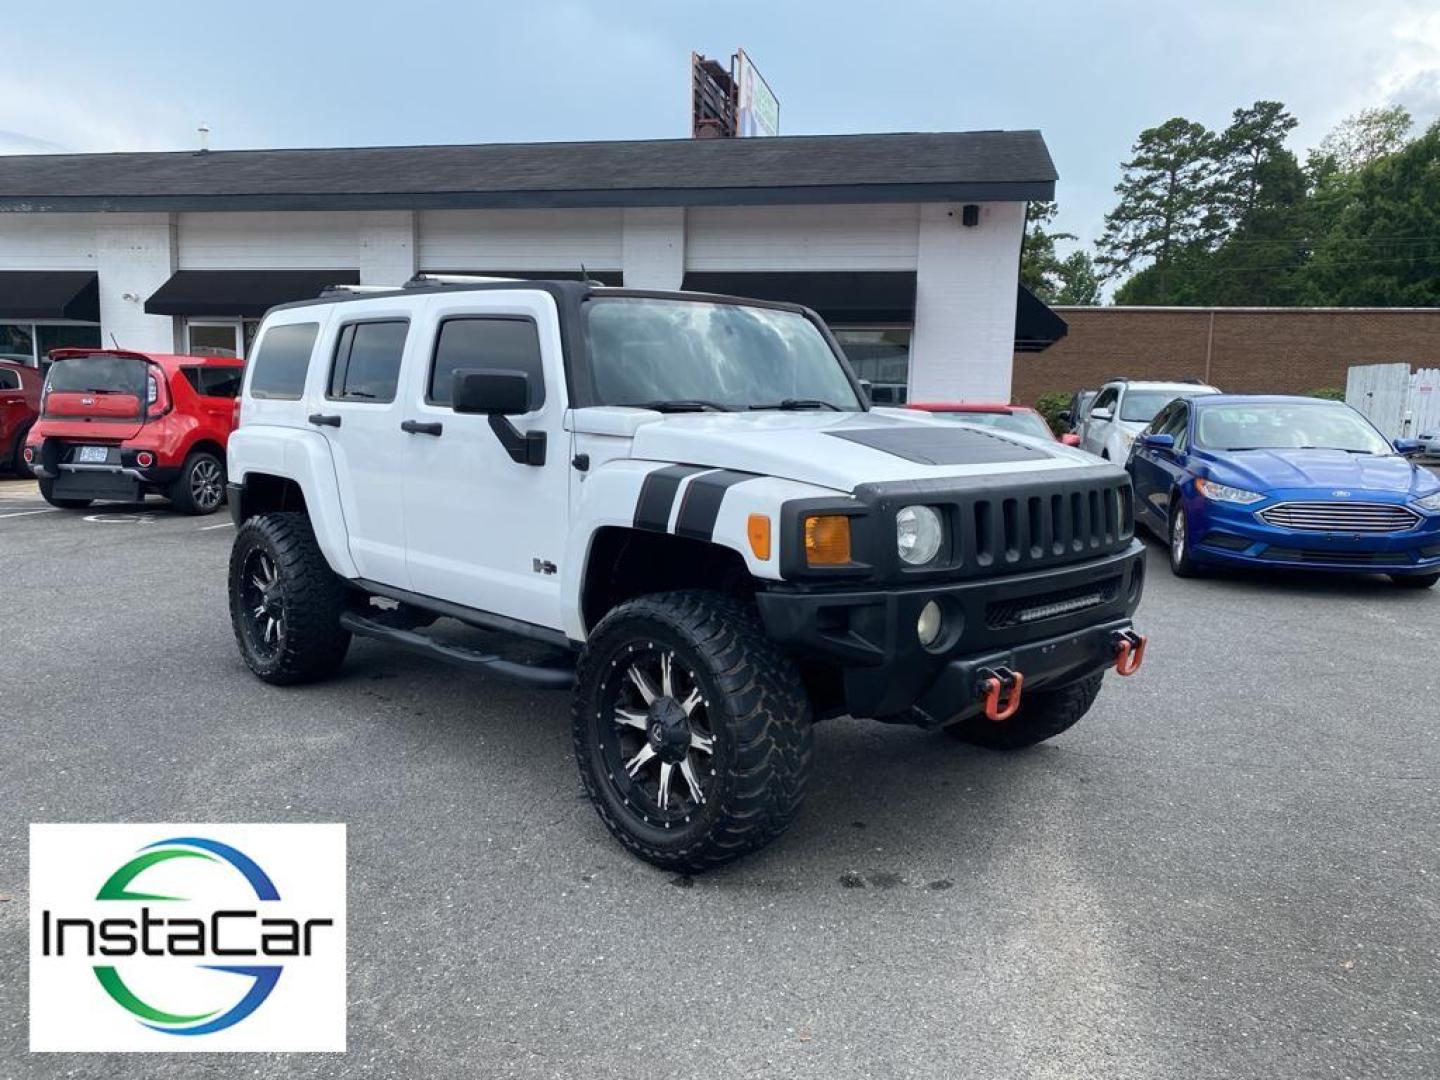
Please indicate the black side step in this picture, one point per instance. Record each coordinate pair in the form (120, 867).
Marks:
(544, 678)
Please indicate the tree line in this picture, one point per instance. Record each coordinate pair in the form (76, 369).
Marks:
(1233, 218)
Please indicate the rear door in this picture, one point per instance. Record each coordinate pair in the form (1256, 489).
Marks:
(484, 530)
(358, 410)
(215, 390)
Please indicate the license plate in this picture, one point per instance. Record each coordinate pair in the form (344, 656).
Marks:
(92, 455)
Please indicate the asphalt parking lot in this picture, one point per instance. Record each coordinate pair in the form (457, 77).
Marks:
(1231, 868)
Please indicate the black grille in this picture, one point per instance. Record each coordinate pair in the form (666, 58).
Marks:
(1003, 531)
(1028, 610)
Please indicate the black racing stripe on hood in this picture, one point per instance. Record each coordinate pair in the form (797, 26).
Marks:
(942, 445)
(700, 508)
(657, 496)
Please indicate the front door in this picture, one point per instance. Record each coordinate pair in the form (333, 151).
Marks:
(359, 411)
(483, 530)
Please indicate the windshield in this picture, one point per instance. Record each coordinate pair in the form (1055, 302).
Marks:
(1140, 406)
(98, 375)
(1285, 426)
(1023, 423)
(694, 354)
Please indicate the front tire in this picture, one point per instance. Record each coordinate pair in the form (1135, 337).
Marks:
(1415, 581)
(1041, 716)
(692, 731)
(47, 492)
(1182, 563)
(200, 488)
(285, 601)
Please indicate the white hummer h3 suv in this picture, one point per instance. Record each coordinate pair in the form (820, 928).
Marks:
(686, 506)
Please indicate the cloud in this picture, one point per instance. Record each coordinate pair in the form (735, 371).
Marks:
(1412, 75)
(49, 116)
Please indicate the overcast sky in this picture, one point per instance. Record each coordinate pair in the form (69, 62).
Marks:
(104, 76)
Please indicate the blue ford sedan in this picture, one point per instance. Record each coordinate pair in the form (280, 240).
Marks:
(1232, 480)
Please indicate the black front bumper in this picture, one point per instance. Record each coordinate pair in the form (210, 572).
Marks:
(1053, 626)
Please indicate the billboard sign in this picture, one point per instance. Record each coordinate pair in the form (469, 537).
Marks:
(758, 111)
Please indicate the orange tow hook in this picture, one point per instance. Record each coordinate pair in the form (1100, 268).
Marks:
(1129, 651)
(995, 682)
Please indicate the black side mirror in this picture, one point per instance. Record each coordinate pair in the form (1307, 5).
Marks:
(491, 393)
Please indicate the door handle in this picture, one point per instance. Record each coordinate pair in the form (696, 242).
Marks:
(321, 420)
(416, 427)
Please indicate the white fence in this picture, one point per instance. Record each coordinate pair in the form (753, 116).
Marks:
(1401, 403)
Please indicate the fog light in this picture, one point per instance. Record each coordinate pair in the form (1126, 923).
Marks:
(927, 627)
(144, 459)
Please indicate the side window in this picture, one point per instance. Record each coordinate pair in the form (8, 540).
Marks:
(214, 382)
(282, 361)
(9, 380)
(1162, 418)
(1179, 426)
(1106, 400)
(492, 343)
(367, 361)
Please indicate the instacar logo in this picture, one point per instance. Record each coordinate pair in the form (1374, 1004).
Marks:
(188, 936)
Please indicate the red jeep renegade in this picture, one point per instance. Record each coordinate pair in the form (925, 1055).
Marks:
(19, 402)
(116, 425)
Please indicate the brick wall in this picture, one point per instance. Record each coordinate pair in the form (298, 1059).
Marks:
(1251, 350)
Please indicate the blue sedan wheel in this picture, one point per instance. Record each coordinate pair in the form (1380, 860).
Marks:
(1181, 563)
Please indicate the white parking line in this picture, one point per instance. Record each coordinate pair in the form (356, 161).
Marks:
(222, 525)
(26, 513)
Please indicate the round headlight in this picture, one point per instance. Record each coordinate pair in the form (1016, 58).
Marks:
(918, 533)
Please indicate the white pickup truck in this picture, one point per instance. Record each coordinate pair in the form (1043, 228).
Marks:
(690, 501)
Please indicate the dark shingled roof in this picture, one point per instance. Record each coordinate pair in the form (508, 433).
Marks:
(974, 165)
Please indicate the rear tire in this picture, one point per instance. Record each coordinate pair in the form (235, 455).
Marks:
(1415, 581)
(47, 489)
(1041, 716)
(285, 601)
(201, 487)
(687, 685)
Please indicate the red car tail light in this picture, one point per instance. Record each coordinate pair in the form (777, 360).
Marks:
(144, 459)
(29, 455)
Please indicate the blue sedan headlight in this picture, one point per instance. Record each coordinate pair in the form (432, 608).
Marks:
(1430, 502)
(1226, 493)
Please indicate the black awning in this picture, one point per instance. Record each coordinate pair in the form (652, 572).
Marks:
(840, 296)
(50, 294)
(605, 277)
(232, 293)
(1036, 326)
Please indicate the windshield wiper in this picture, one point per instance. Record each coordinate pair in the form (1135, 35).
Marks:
(794, 404)
(681, 405)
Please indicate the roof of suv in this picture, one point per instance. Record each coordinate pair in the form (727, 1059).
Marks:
(1180, 385)
(170, 362)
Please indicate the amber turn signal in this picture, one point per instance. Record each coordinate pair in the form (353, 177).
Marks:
(758, 530)
(827, 540)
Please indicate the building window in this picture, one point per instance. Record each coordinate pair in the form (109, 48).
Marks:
(880, 356)
(29, 343)
(219, 337)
